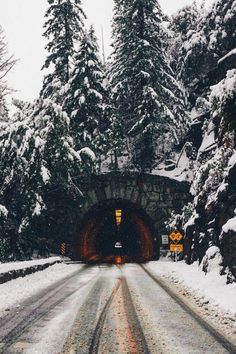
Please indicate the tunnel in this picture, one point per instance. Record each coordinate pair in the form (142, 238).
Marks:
(116, 229)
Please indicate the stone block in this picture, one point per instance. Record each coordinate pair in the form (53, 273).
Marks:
(147, 187)
(135, 195)
(151, 206)
(116, 193)
(100, 192)
(157, 188)
(128, 193)
(123, 192)
(154, 196)
(108, 193)
(165, 204)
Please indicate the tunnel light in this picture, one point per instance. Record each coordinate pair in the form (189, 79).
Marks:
(118, 216)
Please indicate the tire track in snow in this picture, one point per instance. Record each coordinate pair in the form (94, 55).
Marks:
(13, 326)
(221, 339)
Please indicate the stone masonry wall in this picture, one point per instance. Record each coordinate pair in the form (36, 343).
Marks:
(158, 196)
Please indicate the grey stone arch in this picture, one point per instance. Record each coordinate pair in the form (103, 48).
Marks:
(156, 196)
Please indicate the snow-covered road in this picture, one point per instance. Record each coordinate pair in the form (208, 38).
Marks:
(103, 309)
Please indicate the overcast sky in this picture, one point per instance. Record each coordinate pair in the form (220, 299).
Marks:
(22, 21)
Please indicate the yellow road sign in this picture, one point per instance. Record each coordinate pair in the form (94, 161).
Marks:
(118, 213)
(176, 236)
(63, 249)
(176, 248)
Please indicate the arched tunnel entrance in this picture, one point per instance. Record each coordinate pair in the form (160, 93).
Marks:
(116, 228)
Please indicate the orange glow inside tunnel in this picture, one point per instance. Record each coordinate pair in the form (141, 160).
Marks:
(118, 214)
(106, 225)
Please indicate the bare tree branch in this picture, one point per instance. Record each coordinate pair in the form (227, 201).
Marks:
(6, 63)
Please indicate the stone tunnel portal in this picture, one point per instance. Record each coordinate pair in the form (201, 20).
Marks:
(103, 236)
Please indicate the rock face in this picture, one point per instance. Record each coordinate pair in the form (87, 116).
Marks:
(212, 221)
(213, 135)
(228, 238)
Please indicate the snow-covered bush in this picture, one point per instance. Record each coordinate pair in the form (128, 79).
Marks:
(212, 260)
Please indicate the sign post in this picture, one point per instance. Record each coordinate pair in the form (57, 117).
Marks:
(63, 249)
(175, 246)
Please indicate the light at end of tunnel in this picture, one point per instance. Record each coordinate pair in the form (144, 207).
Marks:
(118, 216)
(119, 260)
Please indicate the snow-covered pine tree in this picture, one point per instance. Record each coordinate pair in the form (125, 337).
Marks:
(183, 24)
(37, 166)
(211, 35)
(86, 98)
(148, 98)
(220, 27)
(223, 104)
(64, 26)
(4, 112)
(209, 71)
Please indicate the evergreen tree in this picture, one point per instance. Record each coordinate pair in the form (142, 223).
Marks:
(38, 160)
(4, 112)
(64, 27)
(183, 24)
(210, 36)
(219, 27)
(86, 99)
(115, 138)
(223, 105)
(148, 98)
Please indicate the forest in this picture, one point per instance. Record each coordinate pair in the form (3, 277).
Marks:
(163, 103)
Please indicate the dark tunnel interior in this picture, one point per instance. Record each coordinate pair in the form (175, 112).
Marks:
(116, 230)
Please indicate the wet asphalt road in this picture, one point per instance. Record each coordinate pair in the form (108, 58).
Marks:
(106, 309)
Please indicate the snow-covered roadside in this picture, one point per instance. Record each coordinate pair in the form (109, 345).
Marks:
(15, 291)
(7, 267)
(209, 293)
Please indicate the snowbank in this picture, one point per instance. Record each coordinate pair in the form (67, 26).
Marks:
(230, 225)
(3, 211)
(208, 288)
(6, 267)
(14, 292)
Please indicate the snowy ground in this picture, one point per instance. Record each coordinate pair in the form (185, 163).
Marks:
(60, 308)
(6, 267)
(209, 293)
(15, 291)
(103, 309)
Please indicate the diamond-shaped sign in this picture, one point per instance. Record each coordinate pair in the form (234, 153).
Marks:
(176, 236)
